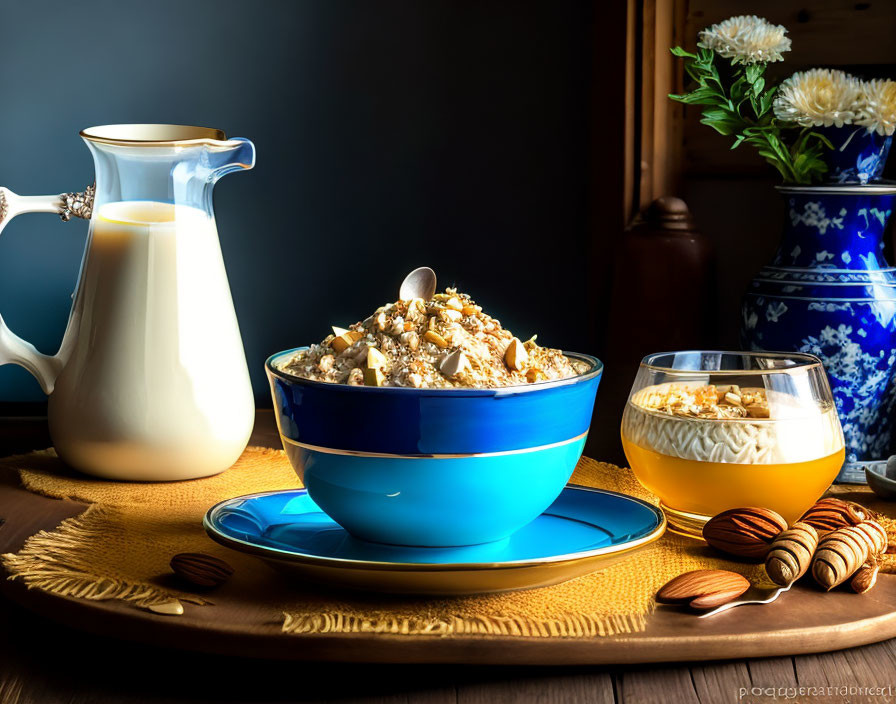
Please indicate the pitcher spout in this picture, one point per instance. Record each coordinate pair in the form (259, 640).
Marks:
(235, 154)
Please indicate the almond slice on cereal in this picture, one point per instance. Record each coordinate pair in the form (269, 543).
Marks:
(515, 356)
(436, 339)
(454, 363)
(342, 342)
(454, 303)
(375, 359)
(373, 377)
(533, 375)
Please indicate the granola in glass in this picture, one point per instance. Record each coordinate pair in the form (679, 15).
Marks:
(445, 342)
(708, 401)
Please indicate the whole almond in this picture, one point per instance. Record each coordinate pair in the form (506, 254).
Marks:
(703, 589)
(831, 514)
(744, 532)
(201, 570)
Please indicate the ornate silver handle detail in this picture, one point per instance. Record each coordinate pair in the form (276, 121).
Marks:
(66, 205)
(78, 204)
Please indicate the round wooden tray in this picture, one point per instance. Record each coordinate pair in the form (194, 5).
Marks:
(802, 621)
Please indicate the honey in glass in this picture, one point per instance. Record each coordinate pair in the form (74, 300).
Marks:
(703, 445)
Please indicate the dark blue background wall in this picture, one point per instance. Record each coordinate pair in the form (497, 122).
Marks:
(389, 135)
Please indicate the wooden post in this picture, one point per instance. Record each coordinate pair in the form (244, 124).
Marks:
(661, 128)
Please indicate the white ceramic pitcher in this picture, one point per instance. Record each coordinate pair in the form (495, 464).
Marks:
(150, 382)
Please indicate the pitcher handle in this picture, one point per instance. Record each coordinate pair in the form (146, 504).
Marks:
(13, 349)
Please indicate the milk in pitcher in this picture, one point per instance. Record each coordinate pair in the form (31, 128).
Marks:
(168, 396)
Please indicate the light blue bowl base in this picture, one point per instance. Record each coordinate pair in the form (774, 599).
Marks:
(435, 501)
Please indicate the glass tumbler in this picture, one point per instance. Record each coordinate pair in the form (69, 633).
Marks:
(707, 431)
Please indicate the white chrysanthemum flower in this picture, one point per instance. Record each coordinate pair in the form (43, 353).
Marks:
(819, 97)
(877, 110)
(746, 39)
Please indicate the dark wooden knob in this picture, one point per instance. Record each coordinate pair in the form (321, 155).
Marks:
(670, 213)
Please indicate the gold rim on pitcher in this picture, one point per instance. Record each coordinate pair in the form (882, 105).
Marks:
(153, 135)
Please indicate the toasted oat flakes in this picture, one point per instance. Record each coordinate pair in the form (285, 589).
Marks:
(720, 402)
(441, 343)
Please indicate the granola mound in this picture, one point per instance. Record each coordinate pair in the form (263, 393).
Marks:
(446, 342)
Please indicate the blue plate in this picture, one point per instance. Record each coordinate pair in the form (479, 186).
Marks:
(582, 531)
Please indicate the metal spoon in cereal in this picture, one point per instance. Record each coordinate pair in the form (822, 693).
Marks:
(420, 283)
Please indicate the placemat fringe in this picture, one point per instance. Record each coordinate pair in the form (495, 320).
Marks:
(570, 625)
(51, 561)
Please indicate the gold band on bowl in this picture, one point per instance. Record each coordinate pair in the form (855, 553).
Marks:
(436, 456)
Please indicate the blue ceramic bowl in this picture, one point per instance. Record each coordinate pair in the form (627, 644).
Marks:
(433, 467)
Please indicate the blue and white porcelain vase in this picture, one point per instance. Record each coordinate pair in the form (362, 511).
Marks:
(858, 155)
(829, 292)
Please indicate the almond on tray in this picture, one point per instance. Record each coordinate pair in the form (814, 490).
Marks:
(447, 341)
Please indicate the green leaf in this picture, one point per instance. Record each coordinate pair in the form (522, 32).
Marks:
(697, 73)
(699, 96)
(754, 72)
(725, 127)
(766, 100)
(719, 114)
(738, 90)
(821, 138)
(678, 51)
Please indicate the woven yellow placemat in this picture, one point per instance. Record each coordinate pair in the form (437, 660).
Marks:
(122, 543)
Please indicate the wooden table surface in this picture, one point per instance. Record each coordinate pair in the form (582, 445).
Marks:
(44, 663)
